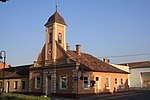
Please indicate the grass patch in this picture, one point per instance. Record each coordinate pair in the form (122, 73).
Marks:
(14, 96)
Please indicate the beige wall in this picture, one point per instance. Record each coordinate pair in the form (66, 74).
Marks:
(11, 85)
(122, 67)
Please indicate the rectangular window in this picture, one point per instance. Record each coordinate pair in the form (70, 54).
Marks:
(15, 84)
(116, 81)
(63, 82)
(23, 85)
(38, 82)
(107, 83)
(97, 78)
(51, 37)
(122, 83)
(86, 82)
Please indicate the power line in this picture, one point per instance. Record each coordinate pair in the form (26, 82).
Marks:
(125, 55)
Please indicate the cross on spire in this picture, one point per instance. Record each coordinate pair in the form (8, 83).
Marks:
(56, 6)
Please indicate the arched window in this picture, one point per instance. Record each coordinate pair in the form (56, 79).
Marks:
(60, 38)
(50, 38)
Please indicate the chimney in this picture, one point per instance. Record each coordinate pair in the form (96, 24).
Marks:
(68, 47)
(78, 49)
(106, 60)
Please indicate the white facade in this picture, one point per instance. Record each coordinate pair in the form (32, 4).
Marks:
(140, 78)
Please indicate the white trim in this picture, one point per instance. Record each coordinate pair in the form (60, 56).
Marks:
(88, 82)
(60, 82)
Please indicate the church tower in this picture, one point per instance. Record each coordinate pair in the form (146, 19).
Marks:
(55, 33)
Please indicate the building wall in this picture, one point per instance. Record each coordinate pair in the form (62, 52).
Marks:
(19, 85)
(124, 68)
(68, 73)
(135, 77)
(33, 75)
(102, 84)
(72, 87)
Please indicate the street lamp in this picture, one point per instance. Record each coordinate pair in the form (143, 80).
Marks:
(4, 54)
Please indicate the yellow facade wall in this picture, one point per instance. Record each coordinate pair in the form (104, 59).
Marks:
(9, 85)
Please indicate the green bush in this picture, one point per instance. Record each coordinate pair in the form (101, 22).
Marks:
(14, 96)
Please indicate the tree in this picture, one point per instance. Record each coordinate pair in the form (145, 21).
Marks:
(3, 0)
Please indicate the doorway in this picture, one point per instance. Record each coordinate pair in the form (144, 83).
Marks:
(97, 85)
(49, 85)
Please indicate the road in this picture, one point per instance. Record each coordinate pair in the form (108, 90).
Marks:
(140, 95)
(133, 96)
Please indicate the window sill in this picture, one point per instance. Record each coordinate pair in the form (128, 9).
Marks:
(86, 88)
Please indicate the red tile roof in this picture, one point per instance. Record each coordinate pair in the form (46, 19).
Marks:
(2, 65)
(15, 72)
(143, 65)
(137, 64)
(91, 63)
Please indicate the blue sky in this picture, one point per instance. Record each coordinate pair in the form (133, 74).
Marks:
(102, 27)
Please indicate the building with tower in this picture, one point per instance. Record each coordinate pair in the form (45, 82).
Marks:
(71, 73)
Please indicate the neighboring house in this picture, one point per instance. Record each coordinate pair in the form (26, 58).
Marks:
(16, 79)
(63, 72)
(139, 77)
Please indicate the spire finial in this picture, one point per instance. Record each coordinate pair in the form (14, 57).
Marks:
(56, 6)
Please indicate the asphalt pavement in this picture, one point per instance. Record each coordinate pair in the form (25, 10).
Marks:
(132, 95)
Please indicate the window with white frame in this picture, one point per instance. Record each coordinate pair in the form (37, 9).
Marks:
(86, 82)
(38, 82)
(107, 82)
(15, 84)
(122, 83)
(63, 82)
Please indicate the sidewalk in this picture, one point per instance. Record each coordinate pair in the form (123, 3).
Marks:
(101, 96)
